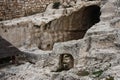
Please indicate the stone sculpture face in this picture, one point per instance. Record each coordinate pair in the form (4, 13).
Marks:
(66, 61)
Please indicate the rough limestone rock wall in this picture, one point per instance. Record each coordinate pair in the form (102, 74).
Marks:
(96, 56)
(10, 9)
(44, 31)
(70, 27)
(17, 35)
(110, 10)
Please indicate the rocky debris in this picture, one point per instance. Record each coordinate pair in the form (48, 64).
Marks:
(2, 74)
(39, 57)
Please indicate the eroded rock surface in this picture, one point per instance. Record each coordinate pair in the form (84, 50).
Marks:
(95, 57)
(54, 25)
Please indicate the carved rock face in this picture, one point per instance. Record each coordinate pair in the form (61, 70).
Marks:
(66, 61)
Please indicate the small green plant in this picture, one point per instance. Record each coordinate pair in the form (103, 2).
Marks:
(98, 73)
(56, 5)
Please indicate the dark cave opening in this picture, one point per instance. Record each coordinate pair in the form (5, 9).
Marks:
(83, 20)
(92, 13)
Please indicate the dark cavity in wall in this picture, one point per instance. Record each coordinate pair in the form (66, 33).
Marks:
(92, 13)
(66, 62)
(87, 17)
